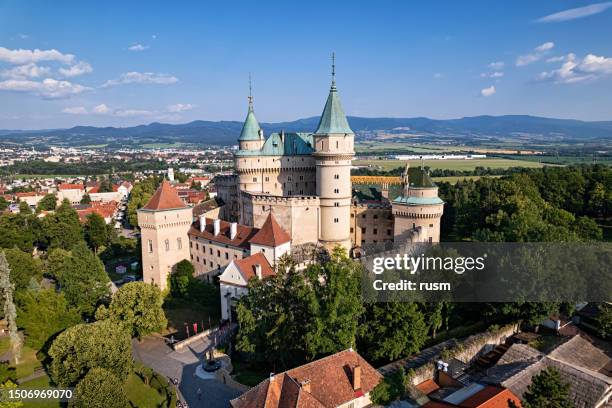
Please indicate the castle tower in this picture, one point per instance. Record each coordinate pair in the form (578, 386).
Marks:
(164, 223)
(419, 209)
(251, 136)
(334, 151)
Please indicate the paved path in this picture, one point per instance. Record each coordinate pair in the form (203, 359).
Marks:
(155, 353)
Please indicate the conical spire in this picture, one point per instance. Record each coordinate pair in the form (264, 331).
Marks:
(333, 119)
(251, 129)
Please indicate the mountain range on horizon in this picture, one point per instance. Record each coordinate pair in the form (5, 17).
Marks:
(226, 132)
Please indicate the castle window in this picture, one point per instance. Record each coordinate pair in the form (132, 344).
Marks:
(218, 253)
(197, 246)
(363, 215)
(210, 251)
(352, 229)
(336, 204)
(375, 217)
(375, 231)
(352, 215)
(267, 178)
(191, 256)
(263, 208)
(336, 220)
(167, 244)
(301, 178)
(197, 258)
(336, 176)
(363, 230)
(430, 239)
(301, 191)
(226, 255)
(336, 190)
(389, 232)
(191, 244)
(150, 246)
(413, 225)
(430, 225)
(179, 243)
(254, 179)
(337, 144)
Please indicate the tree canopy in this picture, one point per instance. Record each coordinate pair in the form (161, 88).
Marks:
(100, 388)
(63, 229)
(48, 202)
(547, 390)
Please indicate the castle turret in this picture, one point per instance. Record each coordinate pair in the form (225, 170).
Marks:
(418, 210)
(334, 151)
(251, 136)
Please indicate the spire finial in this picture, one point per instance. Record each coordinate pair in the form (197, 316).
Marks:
(250, 92)
(333, 70)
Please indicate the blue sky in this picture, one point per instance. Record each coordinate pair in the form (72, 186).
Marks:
(125, 63)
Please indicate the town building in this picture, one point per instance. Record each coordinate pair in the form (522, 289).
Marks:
(343, 379)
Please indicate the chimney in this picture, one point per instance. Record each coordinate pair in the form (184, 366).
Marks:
(384, 191)
(217, 226)
(305, 385)
(357, 377)
(258, 271)
(202, 223)
(233, 230)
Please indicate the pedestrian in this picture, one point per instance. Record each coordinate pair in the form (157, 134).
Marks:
(199, 392)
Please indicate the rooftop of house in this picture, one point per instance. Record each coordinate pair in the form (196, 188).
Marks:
(248, 266)
(324, 383)
(206, 206)
(473, 396)
(241, 240)
(271, 234)
(165, 198)
(68, 186)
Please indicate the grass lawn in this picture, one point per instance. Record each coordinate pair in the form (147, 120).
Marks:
(28, 363)
(5, 344)
(179, 312)
(42, 382)
(141, 395)
(470, 165)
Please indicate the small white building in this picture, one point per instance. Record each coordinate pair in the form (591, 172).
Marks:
(235, 278)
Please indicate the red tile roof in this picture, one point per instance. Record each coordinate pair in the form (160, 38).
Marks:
(271, 234)
(165, 198)
(68, 186)
(329, 384)
(428, 386)
(242, 238)
(491, 397)
(246, 266)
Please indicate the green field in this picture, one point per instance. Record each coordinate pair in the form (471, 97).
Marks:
(468, 165)
(455, 179)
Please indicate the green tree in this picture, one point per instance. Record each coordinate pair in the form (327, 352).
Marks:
(96, 231)
(139, 196)
(48, 203)
(137, 305)
(100, 388)
(63, 228)
(10, 312)
(604, 320)
(86, 199)
(24, 268)
(83, 279)
(547, 390)
(5, 385)
(181, 278)
(389, 389)
(80, 348)
(3, 204)
(43, 314)
(24, 208)
(16, 230)
(392, 330)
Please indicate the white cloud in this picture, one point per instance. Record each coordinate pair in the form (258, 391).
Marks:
(497, 74)
(575, 13)
(132, 112)
(75, 110)
(26, 71)
(23, 36)
(21, 56)
(538, 53)
(48, 88)
(556, 59)
(138, 47)
(77, 69)
(180, 107)
(488, 91)
(574, 70)
(142, 78)
(437, 75)
(101, 109)
(497, 65)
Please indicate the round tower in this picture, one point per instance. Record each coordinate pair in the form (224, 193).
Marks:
(247, 161)
(417, 212)
(334, 151)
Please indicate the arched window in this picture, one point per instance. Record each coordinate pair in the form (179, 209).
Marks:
(179, 243)
(167, 244)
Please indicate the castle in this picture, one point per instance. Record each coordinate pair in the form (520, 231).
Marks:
(290, 190)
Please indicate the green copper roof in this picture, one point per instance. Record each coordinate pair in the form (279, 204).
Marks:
(293, 144)
(417, 200)
(250, 129)
(333, 119)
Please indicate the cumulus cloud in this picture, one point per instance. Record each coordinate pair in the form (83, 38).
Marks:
(497, 65)
(488, 91)
(575, 13)
(77, 69)
(47, 88)
(26, 71)
(537, 54)
(101, 109)
(496, 74)
(575, 70)
(142, 78)
(138, 47)
(556, 59)
(133, 112)
(180, 107)
(22, 56)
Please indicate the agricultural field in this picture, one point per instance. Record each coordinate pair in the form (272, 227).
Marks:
(465, 165)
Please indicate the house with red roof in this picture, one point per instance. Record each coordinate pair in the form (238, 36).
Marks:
(343, 379)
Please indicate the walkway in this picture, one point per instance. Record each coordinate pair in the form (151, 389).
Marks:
(155, 353)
